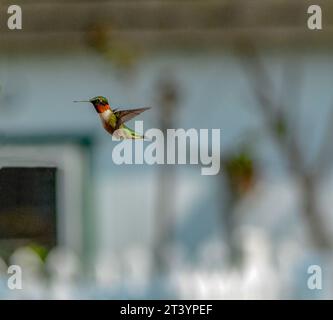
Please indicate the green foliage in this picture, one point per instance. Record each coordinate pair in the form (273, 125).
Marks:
(240, 172)
(41, 251)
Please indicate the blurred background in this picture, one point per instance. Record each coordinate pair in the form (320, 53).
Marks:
(82, 227)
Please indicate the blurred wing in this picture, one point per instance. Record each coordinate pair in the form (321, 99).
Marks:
(126, 115)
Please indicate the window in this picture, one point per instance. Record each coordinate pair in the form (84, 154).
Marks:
(41, 194)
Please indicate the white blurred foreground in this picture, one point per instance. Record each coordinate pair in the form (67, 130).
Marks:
(130, 275)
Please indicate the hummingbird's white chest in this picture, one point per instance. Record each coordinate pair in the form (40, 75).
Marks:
(108, 121)
(105, 116)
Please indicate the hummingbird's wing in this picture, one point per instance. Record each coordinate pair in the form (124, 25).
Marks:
(126, 115)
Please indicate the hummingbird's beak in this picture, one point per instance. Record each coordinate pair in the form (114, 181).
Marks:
(81, 101)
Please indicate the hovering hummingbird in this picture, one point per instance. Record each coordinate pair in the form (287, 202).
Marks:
(113, 119)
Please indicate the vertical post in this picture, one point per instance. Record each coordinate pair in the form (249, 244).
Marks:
(166, 193)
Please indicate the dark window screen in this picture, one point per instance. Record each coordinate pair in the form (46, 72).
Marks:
(27, 206)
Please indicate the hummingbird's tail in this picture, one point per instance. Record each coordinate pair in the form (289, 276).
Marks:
(127, 133)
(136, 136)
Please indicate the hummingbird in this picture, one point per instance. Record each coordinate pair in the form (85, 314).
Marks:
(113, 119)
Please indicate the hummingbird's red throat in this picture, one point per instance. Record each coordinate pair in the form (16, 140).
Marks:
(100, 108)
